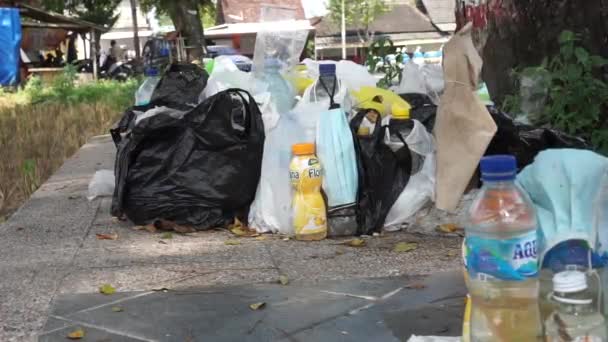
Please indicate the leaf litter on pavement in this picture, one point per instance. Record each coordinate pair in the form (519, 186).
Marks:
(77, 334)
(240, 230)
(107, 289)
(404, 247)
(257, 306)
(112, 236)
(283, 280)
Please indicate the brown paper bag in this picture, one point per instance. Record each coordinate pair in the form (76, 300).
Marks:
(464, 127)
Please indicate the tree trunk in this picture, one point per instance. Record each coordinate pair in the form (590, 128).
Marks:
(186, 19)
(520, 33)
(135, 29)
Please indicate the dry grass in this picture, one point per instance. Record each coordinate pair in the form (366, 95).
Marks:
(35, 139)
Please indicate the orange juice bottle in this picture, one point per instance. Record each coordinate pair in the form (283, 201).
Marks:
(306, 174)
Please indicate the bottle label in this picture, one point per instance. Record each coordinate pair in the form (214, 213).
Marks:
(513, 259)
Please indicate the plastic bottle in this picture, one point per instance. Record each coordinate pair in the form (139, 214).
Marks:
(281, 93)
(400, 126)
(144, 93)
(306, 175)
(327, 84)
(501, 257)
(577, 317)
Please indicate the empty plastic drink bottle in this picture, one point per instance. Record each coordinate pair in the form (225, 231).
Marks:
(143, 95)
(501, 257)
(400, 126)
(309, 213)
(327, 83)
(577, 317)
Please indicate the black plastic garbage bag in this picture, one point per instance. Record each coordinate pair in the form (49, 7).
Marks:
(524, 141)
(383, 174)
(423, 109)
(180, 85)
(196, 167)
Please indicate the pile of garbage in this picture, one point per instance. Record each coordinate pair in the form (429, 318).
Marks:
(315, 149)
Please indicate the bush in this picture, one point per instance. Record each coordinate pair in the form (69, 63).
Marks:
(576, 98)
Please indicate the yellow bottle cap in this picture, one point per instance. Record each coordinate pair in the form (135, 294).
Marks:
(303, 149)
(363, 131)
(400, 112)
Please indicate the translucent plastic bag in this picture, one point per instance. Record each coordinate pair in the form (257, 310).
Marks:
(271, 210)
(101, 185)
(412, 80)
(420, 188)
(352, 75)
(433, 80)
(226, 75)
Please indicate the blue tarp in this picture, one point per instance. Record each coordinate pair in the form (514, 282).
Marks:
(10, 44)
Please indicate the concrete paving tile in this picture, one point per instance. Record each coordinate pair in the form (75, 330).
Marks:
(25, 295)
(220, 313)
(91, 334)
(147, 277)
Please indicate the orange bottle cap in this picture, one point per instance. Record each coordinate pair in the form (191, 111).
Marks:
(303, 149)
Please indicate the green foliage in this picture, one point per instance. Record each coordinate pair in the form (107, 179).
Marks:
(359, 14)
(100, 12)
(576, 98)
(65, 91)
(376, 53)
(208, 14)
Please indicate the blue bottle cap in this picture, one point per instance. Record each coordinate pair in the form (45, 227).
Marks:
(498, 168)
(151, 72)
(327, 69)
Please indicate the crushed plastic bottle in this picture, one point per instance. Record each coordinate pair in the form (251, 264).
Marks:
(143, 95)
(501, 257)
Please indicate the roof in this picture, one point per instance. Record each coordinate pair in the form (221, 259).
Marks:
(399, 19)
(399, 39)
(240, 11)
(441, 12)
(248, 28)
(49, 19)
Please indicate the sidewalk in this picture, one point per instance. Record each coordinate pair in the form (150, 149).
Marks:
(53, 265)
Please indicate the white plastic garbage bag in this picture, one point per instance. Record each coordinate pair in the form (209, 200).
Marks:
(420, 188)
(352, 75)
(412, 80)
(433, 80)
(271, 209)
(226, 75)
(101, 185)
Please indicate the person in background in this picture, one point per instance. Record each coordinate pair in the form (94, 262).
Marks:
(115, 52)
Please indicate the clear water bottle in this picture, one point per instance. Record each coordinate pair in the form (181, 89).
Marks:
(400, 126)
(281, 93)
(143, 95)
(577, 316)
(501, 257)
(327, 83)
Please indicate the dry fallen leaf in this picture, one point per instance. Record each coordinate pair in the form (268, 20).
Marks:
(232, 242)
(107, 289)
(283, 280)
(339, 252)
(448, 228)
(238, 229)
(415, 286)
(117, 309)
(162, 242)
(76, 334)
(286, 238)
(166, 235)
(257, 306)
(355, 243)
(112, 236)
(403, 247)
(262, 238)
(453, 253)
